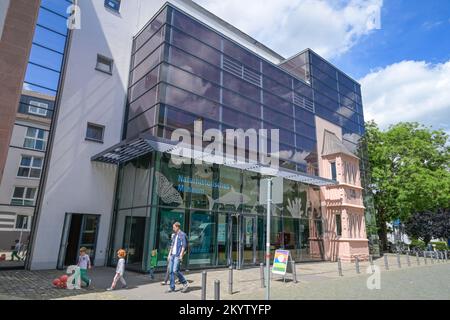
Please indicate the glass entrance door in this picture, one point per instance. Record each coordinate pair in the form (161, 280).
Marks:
(79, 230)
(249, 239)
(234, 227)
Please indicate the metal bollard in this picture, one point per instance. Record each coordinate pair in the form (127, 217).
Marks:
(203, 296)
(371, 263)
(386, 262)
(446, 255)
(417, 257)
(398, 261)
(261, 275)
(230, 280)
(294, 272)
(357, 265)
(340, 267)
(408, 260)
(217, 290)
(425, 257)
(432, 257)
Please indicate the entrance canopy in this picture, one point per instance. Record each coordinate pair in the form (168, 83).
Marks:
(130, 149)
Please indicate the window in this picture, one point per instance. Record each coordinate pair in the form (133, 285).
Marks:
(38, 108)
(338, 225)
(35, 139)
(30, 167)
(23, 196)
(104, 64)
(113, 5)
(333, 171)
(22, 222)
(95, 132)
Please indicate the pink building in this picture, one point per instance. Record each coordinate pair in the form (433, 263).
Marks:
(345, 230)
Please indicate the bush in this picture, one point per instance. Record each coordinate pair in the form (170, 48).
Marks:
(440, 245)
(415, 243)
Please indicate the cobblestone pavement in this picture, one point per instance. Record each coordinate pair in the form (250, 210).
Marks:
(319, 280)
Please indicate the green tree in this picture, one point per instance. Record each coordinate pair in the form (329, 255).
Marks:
(409, 166)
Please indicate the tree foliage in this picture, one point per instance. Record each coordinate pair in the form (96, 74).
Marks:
(409, 166)
(428, 225)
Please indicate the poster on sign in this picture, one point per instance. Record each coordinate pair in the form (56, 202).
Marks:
(280, 262)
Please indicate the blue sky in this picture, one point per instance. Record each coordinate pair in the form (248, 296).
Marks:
(410, 30)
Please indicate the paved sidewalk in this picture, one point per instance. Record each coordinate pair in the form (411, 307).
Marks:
(318, 280)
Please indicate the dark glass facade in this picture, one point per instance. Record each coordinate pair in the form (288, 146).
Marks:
(182, 71)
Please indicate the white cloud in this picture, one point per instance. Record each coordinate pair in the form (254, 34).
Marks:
(408, 91)
(330, 27)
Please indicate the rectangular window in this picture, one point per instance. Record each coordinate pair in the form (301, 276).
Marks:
(38, 108)
(333, 171)
(104, 64)
(22, 222)
(35, 139)
(23, 196)
(30, 167)
(338, 225)
(95, 132)
(113, 5)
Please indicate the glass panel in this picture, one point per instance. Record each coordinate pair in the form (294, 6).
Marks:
(250, 191)
(192, 83)
(248, 243)
(121, 232)
(150, 30)
(278, 104)
(172, 181)
(26, 161)
(164, 231)
(292, 237)
(192, 103)
(222, 239)
(127, 178)
(148, 47)
(134, 238)
(238, 102)
(142, 182)
(19, 192)
(195, 29)
(244, 88)
(143, 103)
(279, 120)
(246, 58)
(143, 85)
(201, 186)
(277, 89)
(148, 64)
(277, 75)
(191, 64)
(239, 120)
(142, 122)
(195, 47)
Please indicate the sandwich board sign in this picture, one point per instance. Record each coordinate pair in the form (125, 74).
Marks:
(283, 264)
(280, 262)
